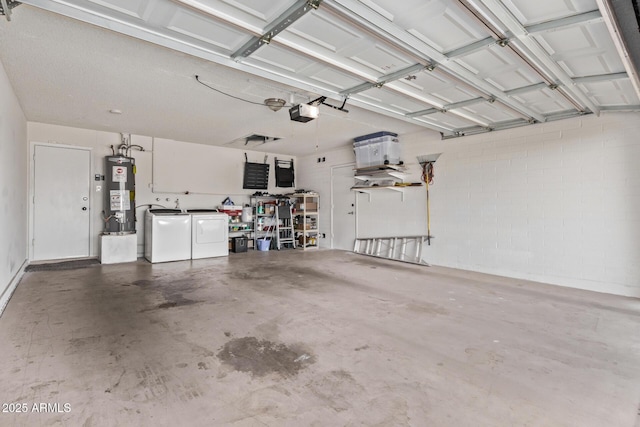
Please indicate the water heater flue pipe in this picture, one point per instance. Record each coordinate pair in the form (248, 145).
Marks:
(125, 145)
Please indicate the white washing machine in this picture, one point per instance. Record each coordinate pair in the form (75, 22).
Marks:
(209, 233)
(167, 235)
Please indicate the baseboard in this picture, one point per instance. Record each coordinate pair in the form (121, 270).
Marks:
(13, 284)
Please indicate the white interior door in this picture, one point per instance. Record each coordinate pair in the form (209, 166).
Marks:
(61, 205)
(343, 208)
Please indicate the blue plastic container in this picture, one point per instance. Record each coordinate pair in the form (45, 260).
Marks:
(263, 244)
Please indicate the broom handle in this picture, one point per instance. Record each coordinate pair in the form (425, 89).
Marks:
(428, 217)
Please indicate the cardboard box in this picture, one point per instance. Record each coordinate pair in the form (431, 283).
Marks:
(312, 207)
(231, 210)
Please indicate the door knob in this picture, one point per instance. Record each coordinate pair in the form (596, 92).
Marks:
(84, 208)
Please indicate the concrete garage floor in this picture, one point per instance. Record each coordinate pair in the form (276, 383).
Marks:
(323, 338)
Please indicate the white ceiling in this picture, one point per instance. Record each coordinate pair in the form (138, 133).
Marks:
(451, 66)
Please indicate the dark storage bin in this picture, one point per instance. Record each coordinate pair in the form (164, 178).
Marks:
(375, 135)
(239, 244)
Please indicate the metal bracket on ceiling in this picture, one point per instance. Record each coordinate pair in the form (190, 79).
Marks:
(266, 39)
(6, 6)
(502, 42)
(396, 75)
(291, 15)
(553, 86)
(321, 101)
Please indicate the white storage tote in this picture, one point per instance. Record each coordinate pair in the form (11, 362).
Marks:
(377, 149)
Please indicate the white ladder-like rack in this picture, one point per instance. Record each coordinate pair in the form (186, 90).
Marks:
(393, 248)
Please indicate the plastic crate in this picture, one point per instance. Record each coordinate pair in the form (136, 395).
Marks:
(374, 136)
(362, 154)
(390, 151)
(379, 150)
(239, 244)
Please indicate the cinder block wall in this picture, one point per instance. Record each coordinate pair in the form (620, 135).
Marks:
(556, 202)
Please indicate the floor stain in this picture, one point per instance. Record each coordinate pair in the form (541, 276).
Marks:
(171, 290)
(480, 357)
(84, 342)
(40, 386)
(335, 389)
(178, 301)
(286, 276)
(168, 304)
(262, 357)
(117, 383)
(364, 347)
(427, 308)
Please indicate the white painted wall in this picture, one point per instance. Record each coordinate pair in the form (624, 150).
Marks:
(186, 156)
(13, 189)
(315, 176)
(556, 202)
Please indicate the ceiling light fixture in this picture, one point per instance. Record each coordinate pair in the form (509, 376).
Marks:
(274, 104)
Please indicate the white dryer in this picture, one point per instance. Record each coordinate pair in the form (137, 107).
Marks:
(209, 233)
(167, 235)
